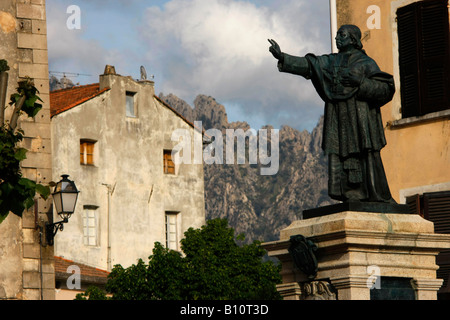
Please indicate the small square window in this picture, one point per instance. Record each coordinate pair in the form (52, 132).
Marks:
(169, 165)
(87, 152)
(130, 104)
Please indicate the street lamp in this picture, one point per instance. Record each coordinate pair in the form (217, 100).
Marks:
(65, 198)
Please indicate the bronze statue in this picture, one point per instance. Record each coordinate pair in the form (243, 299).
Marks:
(354, 89)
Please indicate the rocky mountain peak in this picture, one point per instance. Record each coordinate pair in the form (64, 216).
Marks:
(255, 205)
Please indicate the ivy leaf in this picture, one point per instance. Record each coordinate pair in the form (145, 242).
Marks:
(37, 108)
(21, 154)
(31, 108)
(43, 191)
(28, 203)
(17, 208)
(27, 183)
(14, 98)
(30, 101)
(5, 189)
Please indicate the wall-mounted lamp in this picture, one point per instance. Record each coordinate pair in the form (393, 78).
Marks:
(65, 198)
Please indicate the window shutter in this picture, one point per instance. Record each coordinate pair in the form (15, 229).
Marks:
(169, 165)
(434, 24)
(424, 59)
(89, 153)
(414, 204)
(437, 209)
(407, 26)
(82, 147)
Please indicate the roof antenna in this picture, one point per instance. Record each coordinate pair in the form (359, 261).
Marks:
(144, 74)
(68, 74)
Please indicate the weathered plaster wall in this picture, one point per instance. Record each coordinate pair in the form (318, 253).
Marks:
(24, 45)
(128, 159)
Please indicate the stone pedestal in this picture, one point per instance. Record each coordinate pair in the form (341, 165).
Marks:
(355, 250)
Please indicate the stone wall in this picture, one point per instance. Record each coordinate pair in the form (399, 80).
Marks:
(25, 266)
(354, 250)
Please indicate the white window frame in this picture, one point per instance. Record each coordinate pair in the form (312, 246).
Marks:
(171, 230)
(90, 226)
(130, 111)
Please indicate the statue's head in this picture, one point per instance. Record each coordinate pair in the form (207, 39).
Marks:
(348, 36)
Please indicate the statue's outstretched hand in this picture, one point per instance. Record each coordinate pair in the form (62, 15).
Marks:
(275, 49)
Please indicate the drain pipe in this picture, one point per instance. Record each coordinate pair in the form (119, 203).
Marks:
(333, 25)
(41, 234)
(110, 191)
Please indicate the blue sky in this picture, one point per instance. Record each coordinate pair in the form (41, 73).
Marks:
(212, 47)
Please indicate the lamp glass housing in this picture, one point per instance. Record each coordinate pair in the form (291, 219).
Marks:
(65, 197)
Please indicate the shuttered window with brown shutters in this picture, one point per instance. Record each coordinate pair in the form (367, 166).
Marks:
(436, 208)
(87, 152)
(169, 165)
(424, 59)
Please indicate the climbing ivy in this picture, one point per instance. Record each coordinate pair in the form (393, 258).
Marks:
(16, 192)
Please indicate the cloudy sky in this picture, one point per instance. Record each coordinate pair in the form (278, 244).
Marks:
(213, 47)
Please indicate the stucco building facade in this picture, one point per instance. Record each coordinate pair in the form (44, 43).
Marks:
(114, 139)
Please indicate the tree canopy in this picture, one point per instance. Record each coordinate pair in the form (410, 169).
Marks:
(213, 266)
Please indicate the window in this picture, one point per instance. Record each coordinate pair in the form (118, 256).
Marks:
(424, 60)
(171, 230)
(130, 104)
(435, 206)
(87, 152)
(90, 226)
(169, 165)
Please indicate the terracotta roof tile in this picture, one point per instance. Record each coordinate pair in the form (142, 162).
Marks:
(65, 99)
(62, 264)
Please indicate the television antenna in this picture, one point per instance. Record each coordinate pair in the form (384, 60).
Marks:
(144, 74)
(68, 74)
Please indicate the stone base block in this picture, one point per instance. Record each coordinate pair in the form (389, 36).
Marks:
(354, 249)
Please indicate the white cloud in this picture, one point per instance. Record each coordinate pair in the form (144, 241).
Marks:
(70, 51)
(220, 48)
(213, 47)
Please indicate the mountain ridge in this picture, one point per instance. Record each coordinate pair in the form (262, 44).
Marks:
(255, 205)
(260, 206)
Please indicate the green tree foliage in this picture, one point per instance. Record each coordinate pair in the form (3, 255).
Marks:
(219, 268)
(92, 293)
(162, 278)
(16, 192)
(213, 267)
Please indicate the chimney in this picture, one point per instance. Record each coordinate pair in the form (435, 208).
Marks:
(105, 79)
(109, 70)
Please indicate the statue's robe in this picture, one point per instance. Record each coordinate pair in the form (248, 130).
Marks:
(353, 132)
